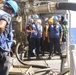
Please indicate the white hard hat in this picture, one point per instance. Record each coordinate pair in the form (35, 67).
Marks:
(39, 21)
(46, 19)
(35, 16)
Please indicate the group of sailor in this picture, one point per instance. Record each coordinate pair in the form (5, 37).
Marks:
(46, 37)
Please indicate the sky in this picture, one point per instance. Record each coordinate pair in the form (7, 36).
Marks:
(73, 16)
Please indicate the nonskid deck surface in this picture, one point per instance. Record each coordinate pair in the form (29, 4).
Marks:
(52, 65)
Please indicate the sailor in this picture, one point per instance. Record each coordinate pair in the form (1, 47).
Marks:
(65, 30)
(9, 10)
(59, 18)
(35, 36)
(45, 35)
(55, 35)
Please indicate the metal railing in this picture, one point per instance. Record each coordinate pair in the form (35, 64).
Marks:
(72, 59)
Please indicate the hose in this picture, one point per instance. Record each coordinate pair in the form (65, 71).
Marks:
(66, 6)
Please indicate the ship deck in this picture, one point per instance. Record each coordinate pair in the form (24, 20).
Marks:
(42, 66)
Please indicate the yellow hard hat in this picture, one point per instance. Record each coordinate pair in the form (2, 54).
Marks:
(50, 20)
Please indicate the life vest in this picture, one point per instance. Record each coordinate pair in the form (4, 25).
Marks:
(6, 38)
(37, 29)
(54, 31)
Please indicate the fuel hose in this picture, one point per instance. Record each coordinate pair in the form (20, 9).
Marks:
(66, 6)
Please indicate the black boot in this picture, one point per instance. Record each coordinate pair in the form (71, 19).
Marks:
(50, 56)
(28, 58)
(37, 57)
(60, 55)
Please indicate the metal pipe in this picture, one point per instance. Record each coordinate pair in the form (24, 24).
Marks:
(45, 8)
(45, 70)
(51, 7)
(72, 65)
(68, 39)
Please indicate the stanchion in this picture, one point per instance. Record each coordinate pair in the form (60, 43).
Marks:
(72, 60)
